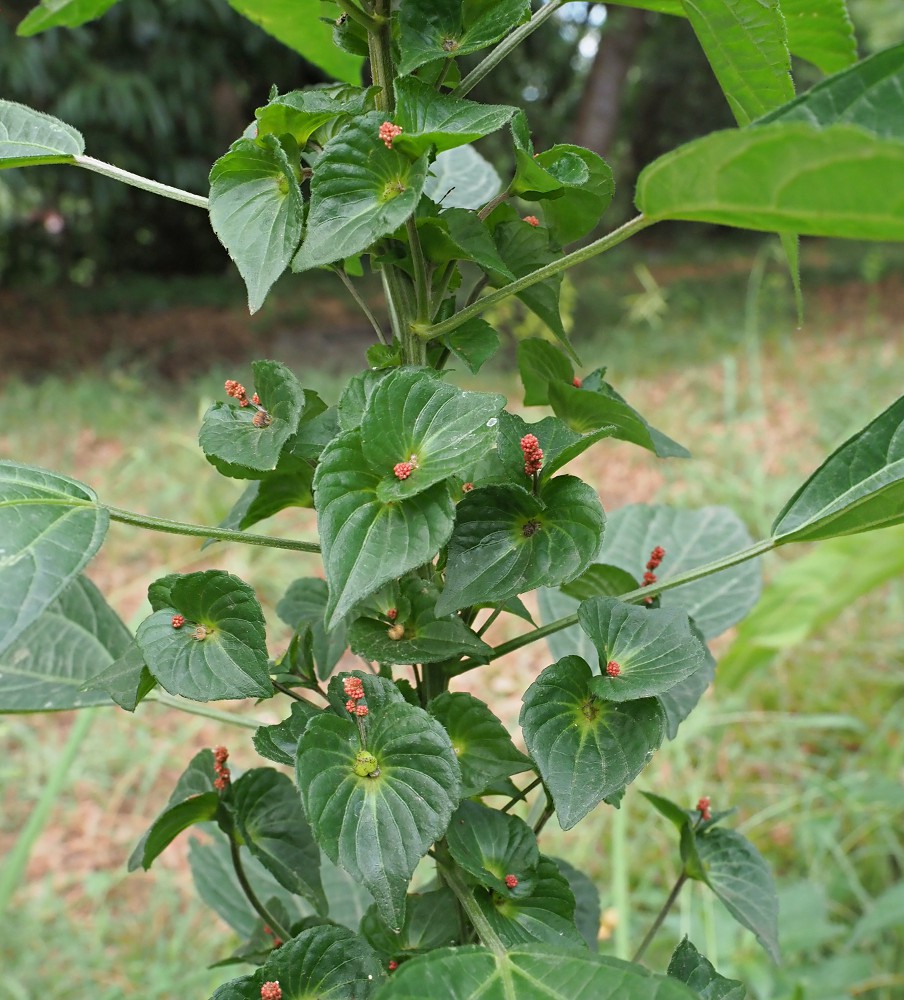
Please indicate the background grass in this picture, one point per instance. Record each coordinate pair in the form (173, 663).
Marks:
(803, 735)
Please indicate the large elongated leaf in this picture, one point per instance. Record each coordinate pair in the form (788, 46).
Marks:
(367, 542)
(746, 45)
(227, 659)
(47, 666)
(50, 527)
(528, 972)
(257, 212)
(297, 24)
(860, 486)
(586, 748)
(360, 191)
(784, 177)
(30, 137)
(61, 14)
(508, 541)
(378, 825)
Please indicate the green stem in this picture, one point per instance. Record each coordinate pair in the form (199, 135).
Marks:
(136, 180)
(197, 708)
(492, 205)
(203, 531)
(633, 597)
(378, 47)
(491, 61)
(17, 859)
(663, 913)
(441, 287)
(258, 906)
(356, 14)
(421, 280)
(497, 611)
(364, 307)
(599, 246)
(489, 938)
(522, 795)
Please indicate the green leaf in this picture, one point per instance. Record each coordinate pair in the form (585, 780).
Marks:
(679, 817)
(528, 972)
(600, 580)
(230, 661)
(462, 178)
(228, 433)
(586, 748)
(326, 962)
(474, 343)
(280, 741)
(690, 538)
(540, 363)
(414, 417)
(30, 137)
(867, 95)
(61, 14)
(508, 541)
(271, 822)
(431, 922)
(193, 800)
(820, 33)
(654, 647)
(257, 212)
(430, 118)
(458, 234)
(687, 965)
(783, 177)
(304, 605)
(746, 45)
(859, 487)
(679, 701)
(301, 112)
(366, 542)
(297, 24)
(490, 845)
(482, 744)
(583, 199)
(378, 826)
(289, 485)
(559, 444)
(355, 396)
(50, 528)
(442, 29)
(127, 680)
(360, 192)
(737, 873)
(586, 410)
(47, 666)
(586, 902)
(426, 639)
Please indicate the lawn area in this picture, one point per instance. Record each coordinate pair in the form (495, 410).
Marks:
(802, 731)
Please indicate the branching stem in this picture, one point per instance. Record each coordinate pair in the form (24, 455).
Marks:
(136, 180)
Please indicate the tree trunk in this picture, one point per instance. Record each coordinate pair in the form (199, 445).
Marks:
(601, 101)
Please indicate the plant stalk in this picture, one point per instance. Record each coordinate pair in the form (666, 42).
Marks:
(204, 711)
(489, 938)
(356, 14)
(145, 183)
(663, 913)
(258, 906)
(364, 307)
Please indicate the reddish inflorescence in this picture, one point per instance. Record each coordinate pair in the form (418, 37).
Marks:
(392, 965)
(388, 132)
(613, 668)
(256, 399)
(353, 687)
(703, 808)
(361, 711)
(576, 382)
(351, 705)
(533, 454)
(532, 220)
(403, 470)
(235, 389)
(178, 621)
(511, 881)
(649, 577)
(392, 614)
(271, 991)
(220, 756)
(467, 487)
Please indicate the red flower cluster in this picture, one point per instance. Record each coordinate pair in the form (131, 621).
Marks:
(703, 808)
(392, 965)
(271, 991)
(388, 132)
(392, 614)
(533, 454)
(532, 220)
(467, 487)
(576, 382)
(613, 668)
(650, 577)
(354, 688)
(511, 881)
(178, 621)
(403, 469)
(220, 756)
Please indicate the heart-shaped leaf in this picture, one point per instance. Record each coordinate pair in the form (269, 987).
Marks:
(304, 605)
(737, 873)
(425, 639)
(414, 417)
(301, 112)
(360, 192)
(587, 409)
(367, 542)
(860, 486)
(586, 748)
(431, 922)
(221, 650)
(378, 825)
(508, 541)
(50, 528)
(270, 819)
(527, 972)
(687, 965)
(584, 196)
(540, 363)
(462, 178)
(28, 137)
(61, 14)
(482, 744)
(280, 741)
(229, 434)
(193, 800)
(326, 962)
(441, 29)
(257, 212)
(491, 845)
(50, 665)
(127, 680)
(655, 648)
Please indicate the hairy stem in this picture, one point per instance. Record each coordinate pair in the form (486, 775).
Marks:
(356, 14)
(488, 937)
(522, 795)
(599, 246)
(378, 46)
(663, 913)
(204, 711)
(203, 531)
(421, 281)
(136, 180)
(364, 307)
(258, 906)
(496, 612)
